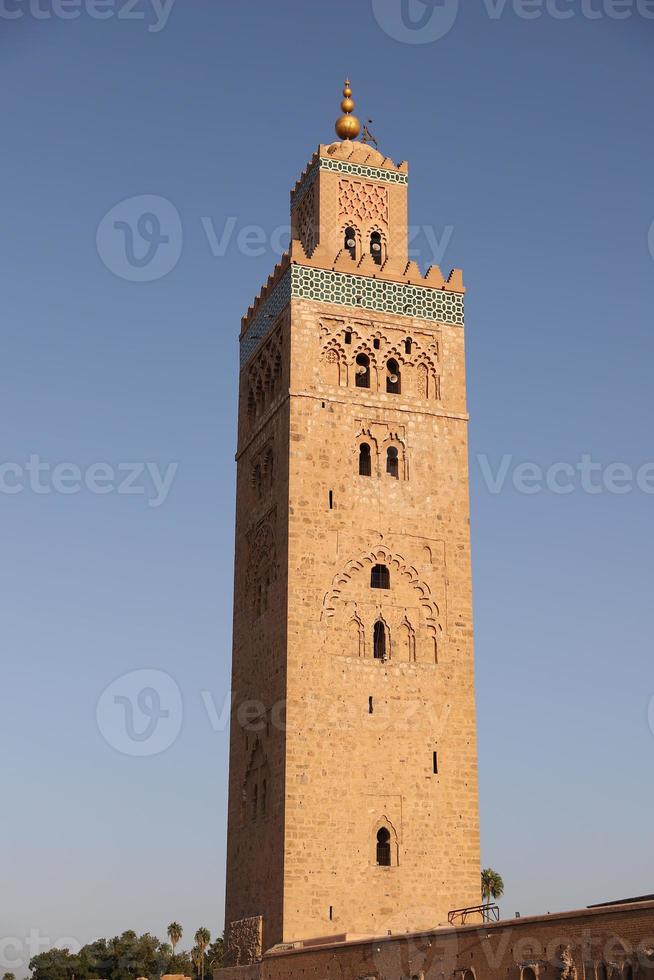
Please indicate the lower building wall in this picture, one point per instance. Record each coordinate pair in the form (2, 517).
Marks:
(612, 943)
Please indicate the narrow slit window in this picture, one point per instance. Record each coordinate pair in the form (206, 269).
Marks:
(331, 499)
(408, 345)
(379, 641)
(365, 462)
(350, 242)
(348, 336)
(331, 912)
(376, 343)
(383, 848)
(435, 763)
(371, 707)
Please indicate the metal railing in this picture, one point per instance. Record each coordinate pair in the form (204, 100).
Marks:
(488, 913)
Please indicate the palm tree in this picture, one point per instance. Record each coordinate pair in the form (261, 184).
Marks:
(492, 886)
(197, 957)
(202, 940)
(174, 934)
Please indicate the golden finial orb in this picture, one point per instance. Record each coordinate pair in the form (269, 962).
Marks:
(348, 126)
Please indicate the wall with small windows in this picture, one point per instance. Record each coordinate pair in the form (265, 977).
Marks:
(379, 623)
(578, 945)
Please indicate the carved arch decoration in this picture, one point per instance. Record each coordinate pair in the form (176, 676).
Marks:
(365, 435)
(256, 785)
(358, 238)
(333, 364)
(427, 380)
(398, 566)
(262, 569)
(264, 375)
(358, 632)
(262, 470)
(363, 201)
(395, 441)
(365, 348)
(383, 822)
(305, 221)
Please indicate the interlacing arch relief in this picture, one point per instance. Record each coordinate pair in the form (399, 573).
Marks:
(262, 471)
(264, 376)
(349, 340)
(255, 786)
(358, 630)
(397, 566)
(363, 201)
(427, 378)
(305, 222)
(333, 364)
(365, 435)
(262, 567)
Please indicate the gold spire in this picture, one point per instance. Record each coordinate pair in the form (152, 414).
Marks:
(348, 126)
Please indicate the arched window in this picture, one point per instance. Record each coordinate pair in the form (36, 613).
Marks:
(602, 973)
(380, 577)
(528, 973)
(627, 972)
(392, 463)
(393, 378)
(376, 247)
(383, 848)
(379, 641)
(350, 243)
(408, 344)
(363, 371)
(365, 464)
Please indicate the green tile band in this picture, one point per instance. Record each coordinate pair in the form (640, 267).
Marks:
(344, 289)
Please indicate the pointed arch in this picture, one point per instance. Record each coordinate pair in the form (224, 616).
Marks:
(357, 633)
(407, 642)
(333, 364)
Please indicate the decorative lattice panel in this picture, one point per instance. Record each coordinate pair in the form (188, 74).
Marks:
(351, 170)
(363, 201)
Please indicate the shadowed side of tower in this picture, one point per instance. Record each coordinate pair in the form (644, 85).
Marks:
(353, 775)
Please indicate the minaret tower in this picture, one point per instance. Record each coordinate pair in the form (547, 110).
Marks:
(353, 770)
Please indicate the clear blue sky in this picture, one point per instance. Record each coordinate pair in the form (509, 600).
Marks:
(530, 144)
